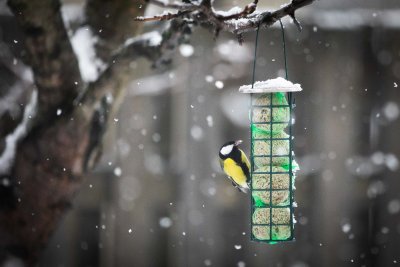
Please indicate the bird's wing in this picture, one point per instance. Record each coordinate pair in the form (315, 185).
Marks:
(240, 188)
(246, 163)
(221, 163)
(236, 172)
(243, 189)
(245, 160)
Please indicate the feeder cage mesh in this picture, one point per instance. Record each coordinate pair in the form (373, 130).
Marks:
(272, 167)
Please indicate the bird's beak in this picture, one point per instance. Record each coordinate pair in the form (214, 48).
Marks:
(238, 142)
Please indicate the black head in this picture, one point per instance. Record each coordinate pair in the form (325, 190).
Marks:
(229, 149)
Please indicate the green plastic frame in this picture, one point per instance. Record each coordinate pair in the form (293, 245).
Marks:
(272, 238)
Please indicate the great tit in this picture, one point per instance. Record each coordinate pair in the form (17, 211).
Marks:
(235, 164)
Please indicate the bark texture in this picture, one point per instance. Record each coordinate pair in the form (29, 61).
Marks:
(49, 53)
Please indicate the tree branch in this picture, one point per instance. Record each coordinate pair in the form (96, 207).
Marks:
(164, 16)
(177, 6)
(158, 48)
(112, 23)
(247, 10)
(234, 21)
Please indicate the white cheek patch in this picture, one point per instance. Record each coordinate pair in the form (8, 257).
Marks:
(226, 150)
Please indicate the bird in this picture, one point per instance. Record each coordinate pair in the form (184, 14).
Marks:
(235, 165)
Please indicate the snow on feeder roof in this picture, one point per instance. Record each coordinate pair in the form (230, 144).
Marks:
(271, 86)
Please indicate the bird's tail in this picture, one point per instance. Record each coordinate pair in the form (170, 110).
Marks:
(244, 189)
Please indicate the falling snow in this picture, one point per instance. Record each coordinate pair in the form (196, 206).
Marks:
(117, 171)
(375, 189)
(207, 262)
(391, 111)
(186, 50)
(394, 206)
(209, 78)
(346, 228)
(156, 137)
(165, 222)
(5, 182)
(219, 84)
(196, 132)
(210, 121)
(237, 247)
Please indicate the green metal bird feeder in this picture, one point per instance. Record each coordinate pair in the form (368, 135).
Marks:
(272, 164)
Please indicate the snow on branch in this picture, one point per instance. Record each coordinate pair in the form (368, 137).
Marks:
(7, 157)
(160, 47)
(83, 43)
(157, 47)
(237, 20)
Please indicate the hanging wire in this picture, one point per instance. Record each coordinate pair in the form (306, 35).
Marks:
(251, 128)
(285, 60)
(284, 48)
(255, 53)
(255, 57)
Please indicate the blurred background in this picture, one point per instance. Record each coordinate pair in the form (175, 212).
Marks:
(158, 196)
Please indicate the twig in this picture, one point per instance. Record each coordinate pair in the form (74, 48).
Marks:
(167, 16)
(177, 6)
(296, 22)
(247, 10)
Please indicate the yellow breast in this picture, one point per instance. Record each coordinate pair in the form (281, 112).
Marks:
(235, 171)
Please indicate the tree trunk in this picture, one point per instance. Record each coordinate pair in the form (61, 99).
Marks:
(47, 172)
(51, 161)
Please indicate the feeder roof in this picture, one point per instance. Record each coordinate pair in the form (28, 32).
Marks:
(271, 86)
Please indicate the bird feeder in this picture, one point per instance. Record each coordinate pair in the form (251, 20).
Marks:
(272, 165)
